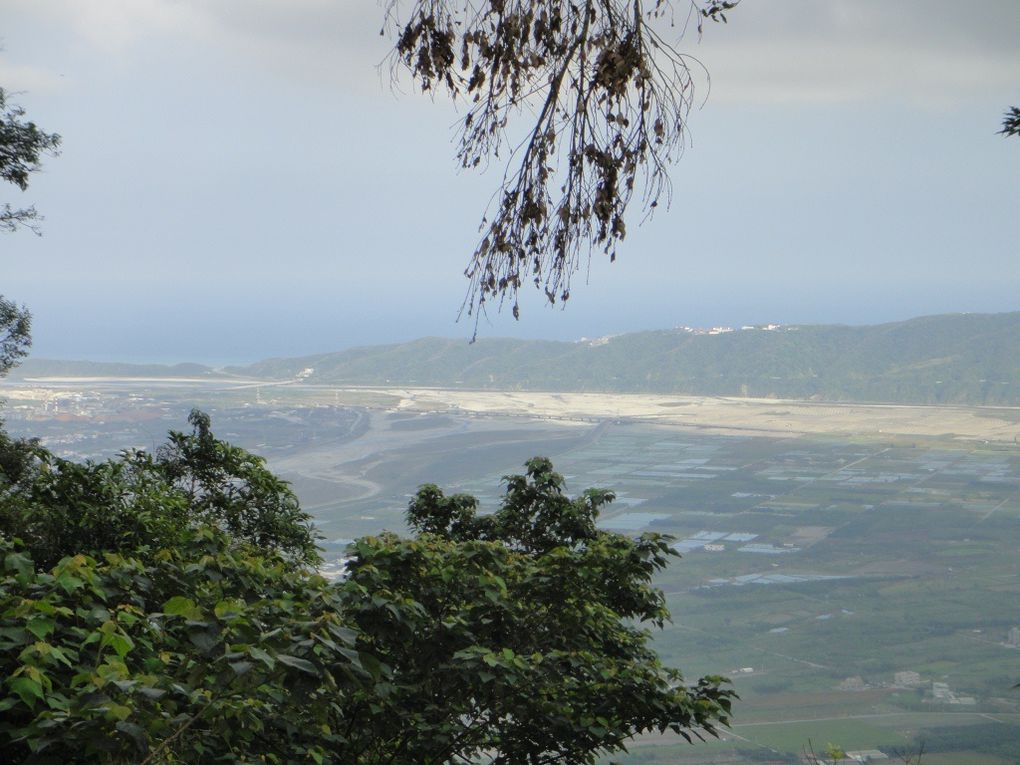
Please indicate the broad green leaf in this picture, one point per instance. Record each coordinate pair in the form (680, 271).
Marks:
(120, 643)
(116, 711)
(69, 582)
(229, 609)
(27, 689)
(19, 563)
(182, 606)
(297, 663)
(257, 653)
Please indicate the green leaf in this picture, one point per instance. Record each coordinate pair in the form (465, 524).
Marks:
(182, 606)
(19, 563)
(373, 666)
(116, 711)
(297, 663)
(257, 653)
(229, 609)
(27, 689)
(120, 643)
(41, 626)
(13, 636)
(69, 583)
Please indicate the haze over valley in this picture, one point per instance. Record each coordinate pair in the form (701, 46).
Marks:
(851, 566)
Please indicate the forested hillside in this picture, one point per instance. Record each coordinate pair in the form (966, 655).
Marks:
(948, 359)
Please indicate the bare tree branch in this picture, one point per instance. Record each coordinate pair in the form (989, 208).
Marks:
(610, 97)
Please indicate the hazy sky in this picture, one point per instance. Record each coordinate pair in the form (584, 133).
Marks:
(237, 180)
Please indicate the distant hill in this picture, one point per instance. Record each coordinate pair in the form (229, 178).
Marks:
(51, 368)
(948, 359)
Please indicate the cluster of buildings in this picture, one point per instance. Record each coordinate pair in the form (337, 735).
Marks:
(721, 330)
(866, 755)
(937, 693)
(596, 342)
(941, 693)
(907, 680)
(724, 330)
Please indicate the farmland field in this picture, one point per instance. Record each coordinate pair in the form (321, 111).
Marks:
(857, 587)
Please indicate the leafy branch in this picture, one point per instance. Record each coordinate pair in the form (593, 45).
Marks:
(22, 145)
(1011, 122)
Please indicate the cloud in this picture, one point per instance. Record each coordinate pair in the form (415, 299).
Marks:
(842, 51)
(113, 25)
(313, 41)
(785, 51)
(819, 73)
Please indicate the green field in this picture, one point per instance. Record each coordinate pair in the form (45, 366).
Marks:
(813, 569)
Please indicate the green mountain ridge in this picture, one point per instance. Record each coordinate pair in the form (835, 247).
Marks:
(967, 359)
(947, 359)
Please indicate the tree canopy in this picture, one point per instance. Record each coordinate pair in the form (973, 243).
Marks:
(143, 503)
(519, 637)
(147, 616)
(604, 96)
(15, 334)
(22, 146)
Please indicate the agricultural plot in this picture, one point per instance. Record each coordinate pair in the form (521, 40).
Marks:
(813, 569)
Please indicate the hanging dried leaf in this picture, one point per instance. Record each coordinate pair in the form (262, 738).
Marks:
(610, 97)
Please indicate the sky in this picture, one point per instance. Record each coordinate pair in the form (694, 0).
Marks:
(238, 180)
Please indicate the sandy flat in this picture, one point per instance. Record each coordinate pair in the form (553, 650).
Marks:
(710, 414)
(727, 415)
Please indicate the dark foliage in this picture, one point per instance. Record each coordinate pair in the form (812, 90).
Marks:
(1011, 122)
(162, 610)
(15, 334)
(987, 738)
(143, 504)
(22, 145)
(229, 487)
(520, 632)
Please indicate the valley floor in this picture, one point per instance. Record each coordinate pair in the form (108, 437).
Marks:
(854, 569)
(724, 415)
